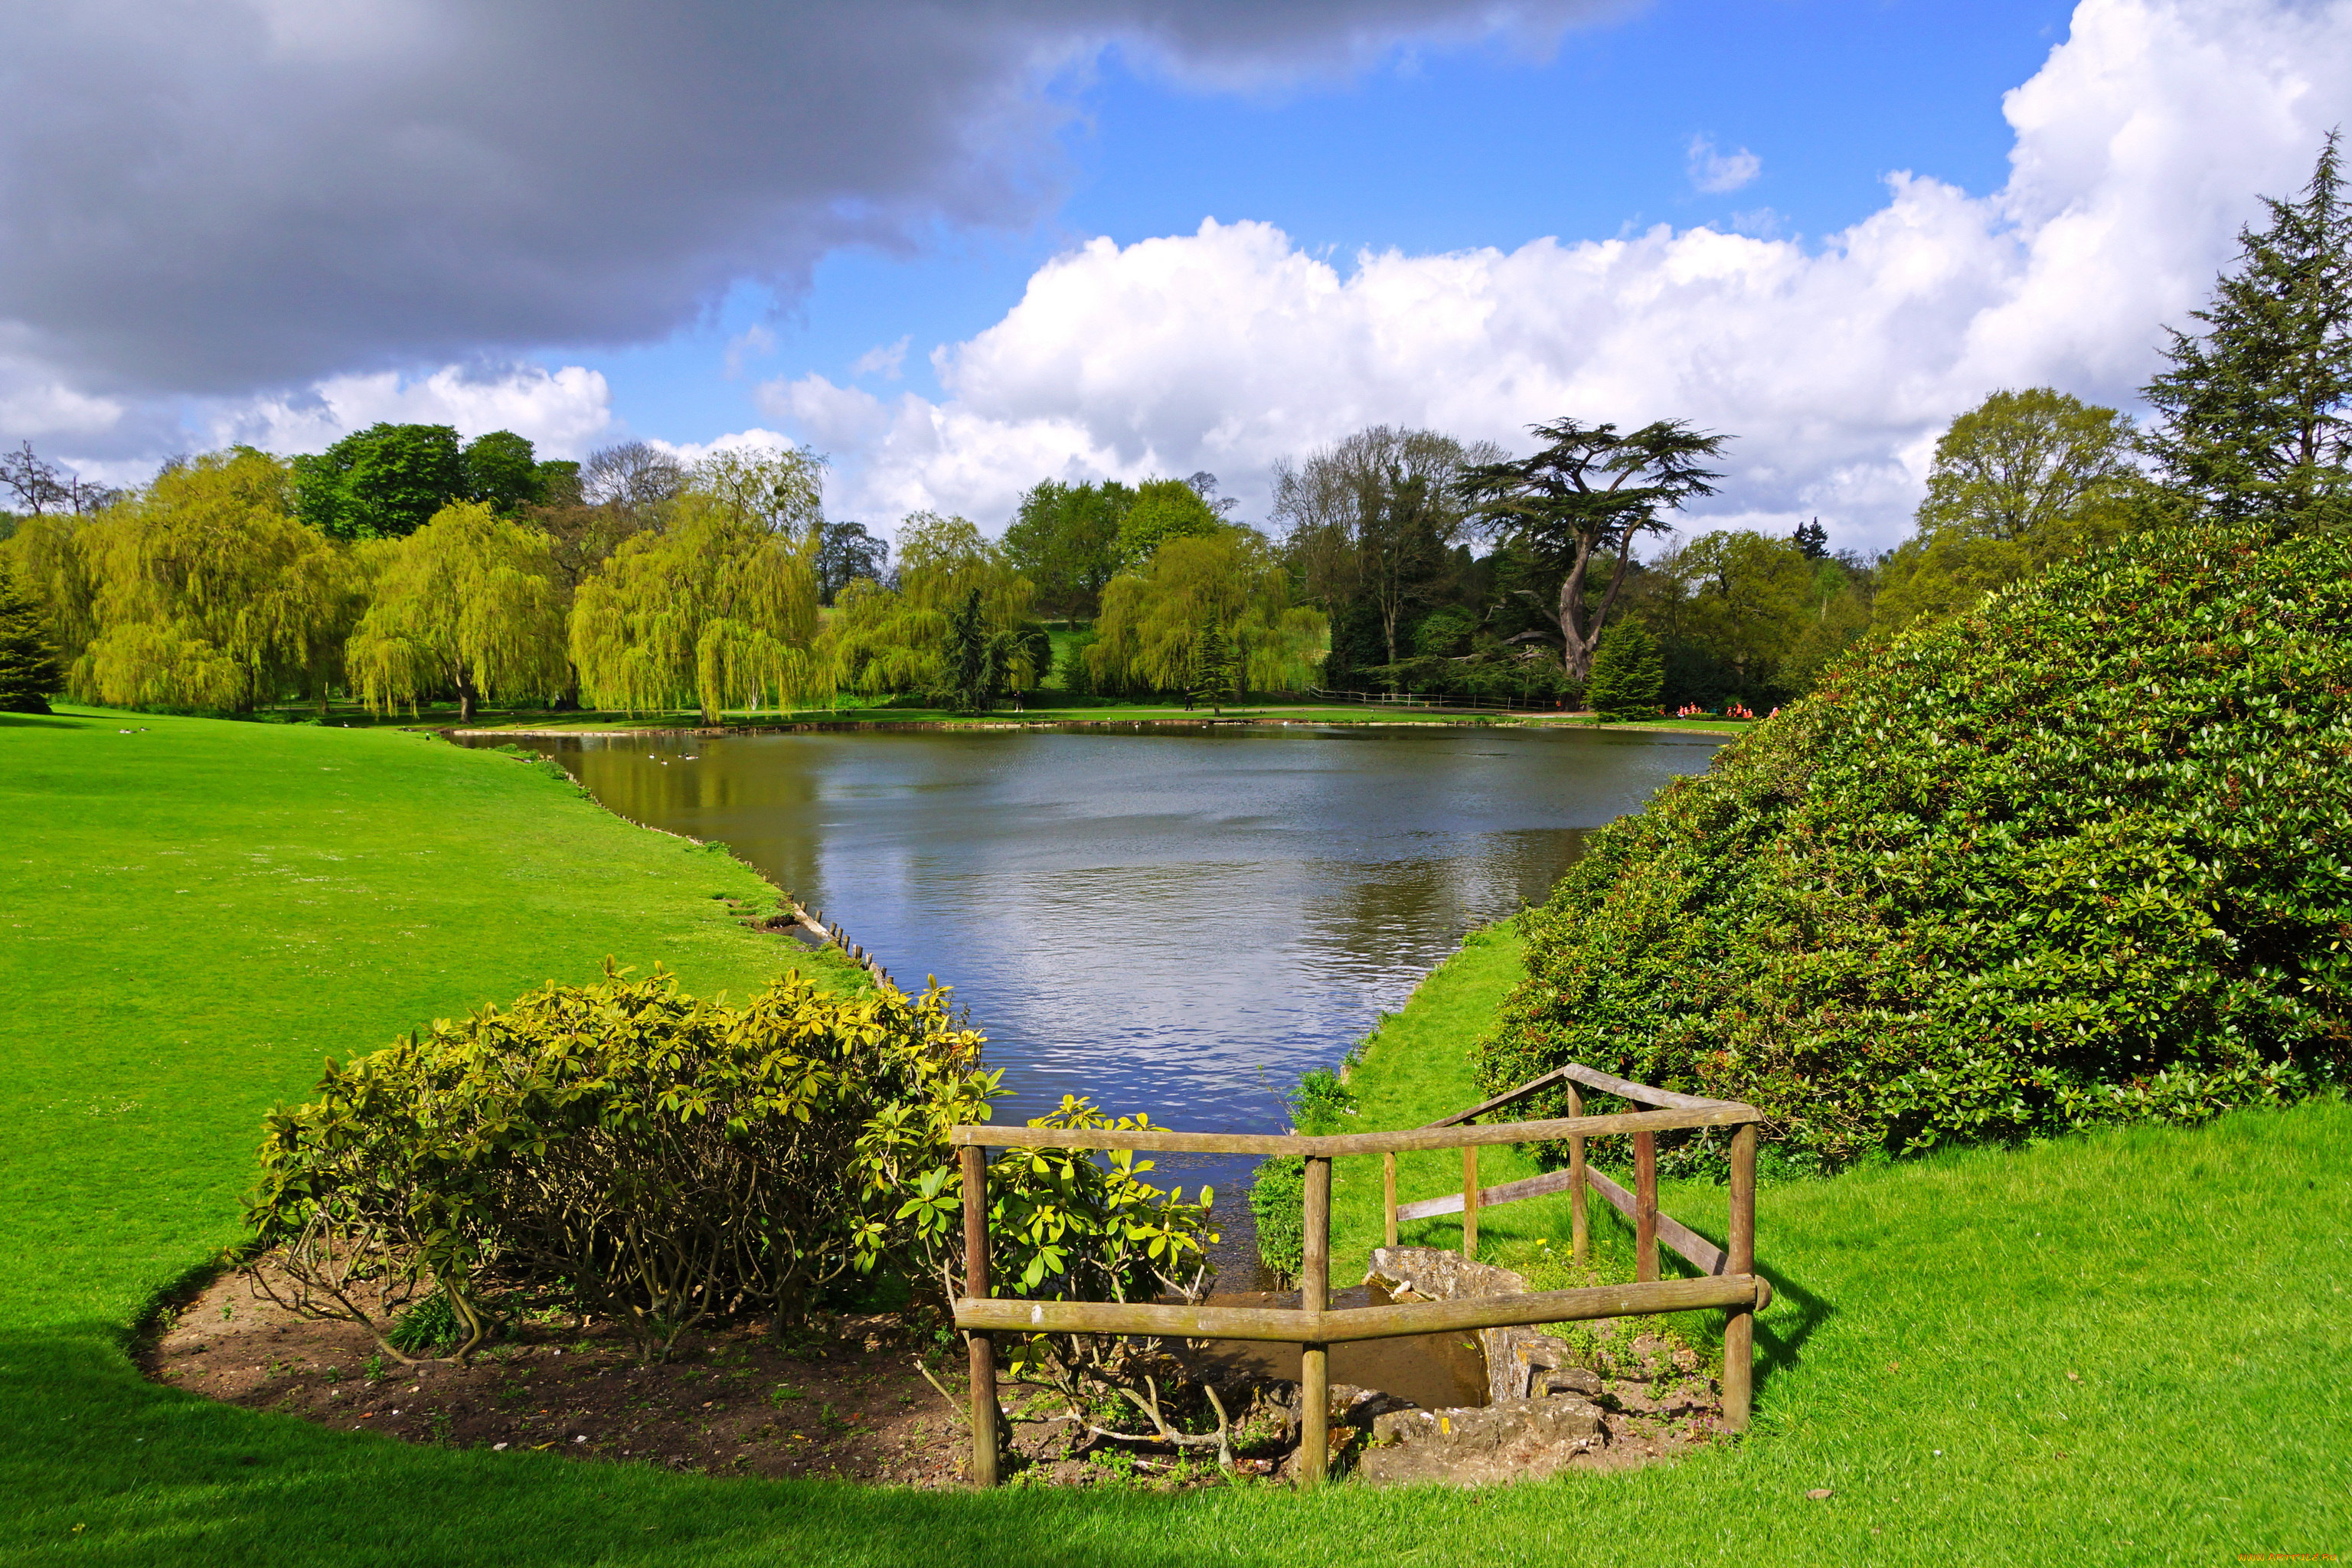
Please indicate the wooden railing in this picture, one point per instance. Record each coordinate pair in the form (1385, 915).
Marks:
(1728, 1281)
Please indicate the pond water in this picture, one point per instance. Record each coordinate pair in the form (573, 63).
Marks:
(1177, 921)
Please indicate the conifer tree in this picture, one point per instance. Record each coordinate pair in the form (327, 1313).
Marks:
(975, 662)
(29, 667)
(1629, 674)
(2252, 415)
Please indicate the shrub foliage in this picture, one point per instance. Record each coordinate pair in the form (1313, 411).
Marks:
(664, 1158)
(659, 1160)
(2078, 855)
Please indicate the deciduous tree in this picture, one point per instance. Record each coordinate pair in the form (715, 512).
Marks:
(472, 604)
(1162, 509)
(2022, 479)
(715, 610)
(383, 482)
(1372, 520)
(1146, 638)
(846, 552)
(1065, 540)
(207, 594)
(900, 639)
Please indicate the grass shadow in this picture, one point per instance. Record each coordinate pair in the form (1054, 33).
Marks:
(44, 721)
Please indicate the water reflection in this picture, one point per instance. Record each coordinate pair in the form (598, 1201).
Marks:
(1176, 922)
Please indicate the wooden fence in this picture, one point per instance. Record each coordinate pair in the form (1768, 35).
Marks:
(1728, 1278)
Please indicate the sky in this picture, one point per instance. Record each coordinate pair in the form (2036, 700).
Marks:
(958, 249)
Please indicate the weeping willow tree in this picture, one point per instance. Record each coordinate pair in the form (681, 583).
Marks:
(905, 639)
(1156, 622)
(471, 602)
(206, 593)
(51, 565)
(716, 611)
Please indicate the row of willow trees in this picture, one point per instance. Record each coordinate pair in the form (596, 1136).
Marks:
(641, 585)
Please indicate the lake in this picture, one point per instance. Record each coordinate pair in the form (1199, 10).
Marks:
(1175, 921)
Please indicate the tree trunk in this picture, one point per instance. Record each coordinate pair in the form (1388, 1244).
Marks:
(465, 698)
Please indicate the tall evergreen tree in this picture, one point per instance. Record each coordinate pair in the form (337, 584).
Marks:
(975, 657)
(2252, 416)
(29, 667)
(1629, 674)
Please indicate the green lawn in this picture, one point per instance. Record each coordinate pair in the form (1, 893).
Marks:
(197, 912)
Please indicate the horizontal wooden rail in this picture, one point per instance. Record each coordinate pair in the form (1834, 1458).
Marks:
(1724, 1114)
(1002, 1314)
(1702, 1254)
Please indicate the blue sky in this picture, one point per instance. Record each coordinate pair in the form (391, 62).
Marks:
(1437, 150)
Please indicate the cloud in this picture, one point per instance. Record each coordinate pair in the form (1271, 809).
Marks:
(884, 360)
(1714, 172)
(754, 440)
(2140, 146)
(563, 411)
(208, 199)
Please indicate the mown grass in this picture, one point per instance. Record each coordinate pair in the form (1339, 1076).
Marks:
(346, 885)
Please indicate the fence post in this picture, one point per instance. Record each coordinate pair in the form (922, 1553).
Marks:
(1579, 1230)
(1388, 1196)
(975, 1284)
(1645, 1205)
(1469, 1200)
(1315, 1358)
(1740, 1333)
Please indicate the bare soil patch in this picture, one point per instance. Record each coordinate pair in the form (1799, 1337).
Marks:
(845, 1400)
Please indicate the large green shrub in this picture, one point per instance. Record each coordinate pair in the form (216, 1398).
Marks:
(658, 1158)
(2078, 855)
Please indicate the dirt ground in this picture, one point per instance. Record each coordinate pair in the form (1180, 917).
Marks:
(844, 1401)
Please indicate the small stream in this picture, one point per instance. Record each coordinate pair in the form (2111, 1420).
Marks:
(1178, 922)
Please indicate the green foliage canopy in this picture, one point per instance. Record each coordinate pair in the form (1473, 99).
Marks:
(1628, 674)
(471, 603)
(1229, 582)
(2021, 480)
(1162, 509)
(1065, 539)
(2079, 855)
(901, 639)
(715, 610)
(206, 594)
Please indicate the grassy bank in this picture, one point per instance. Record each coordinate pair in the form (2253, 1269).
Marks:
(340, 885)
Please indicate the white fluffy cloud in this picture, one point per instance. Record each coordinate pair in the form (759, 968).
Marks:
(1717, 171)
(563, 411)
(2141, 144)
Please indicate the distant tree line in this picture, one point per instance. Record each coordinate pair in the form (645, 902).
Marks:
(402, 564)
